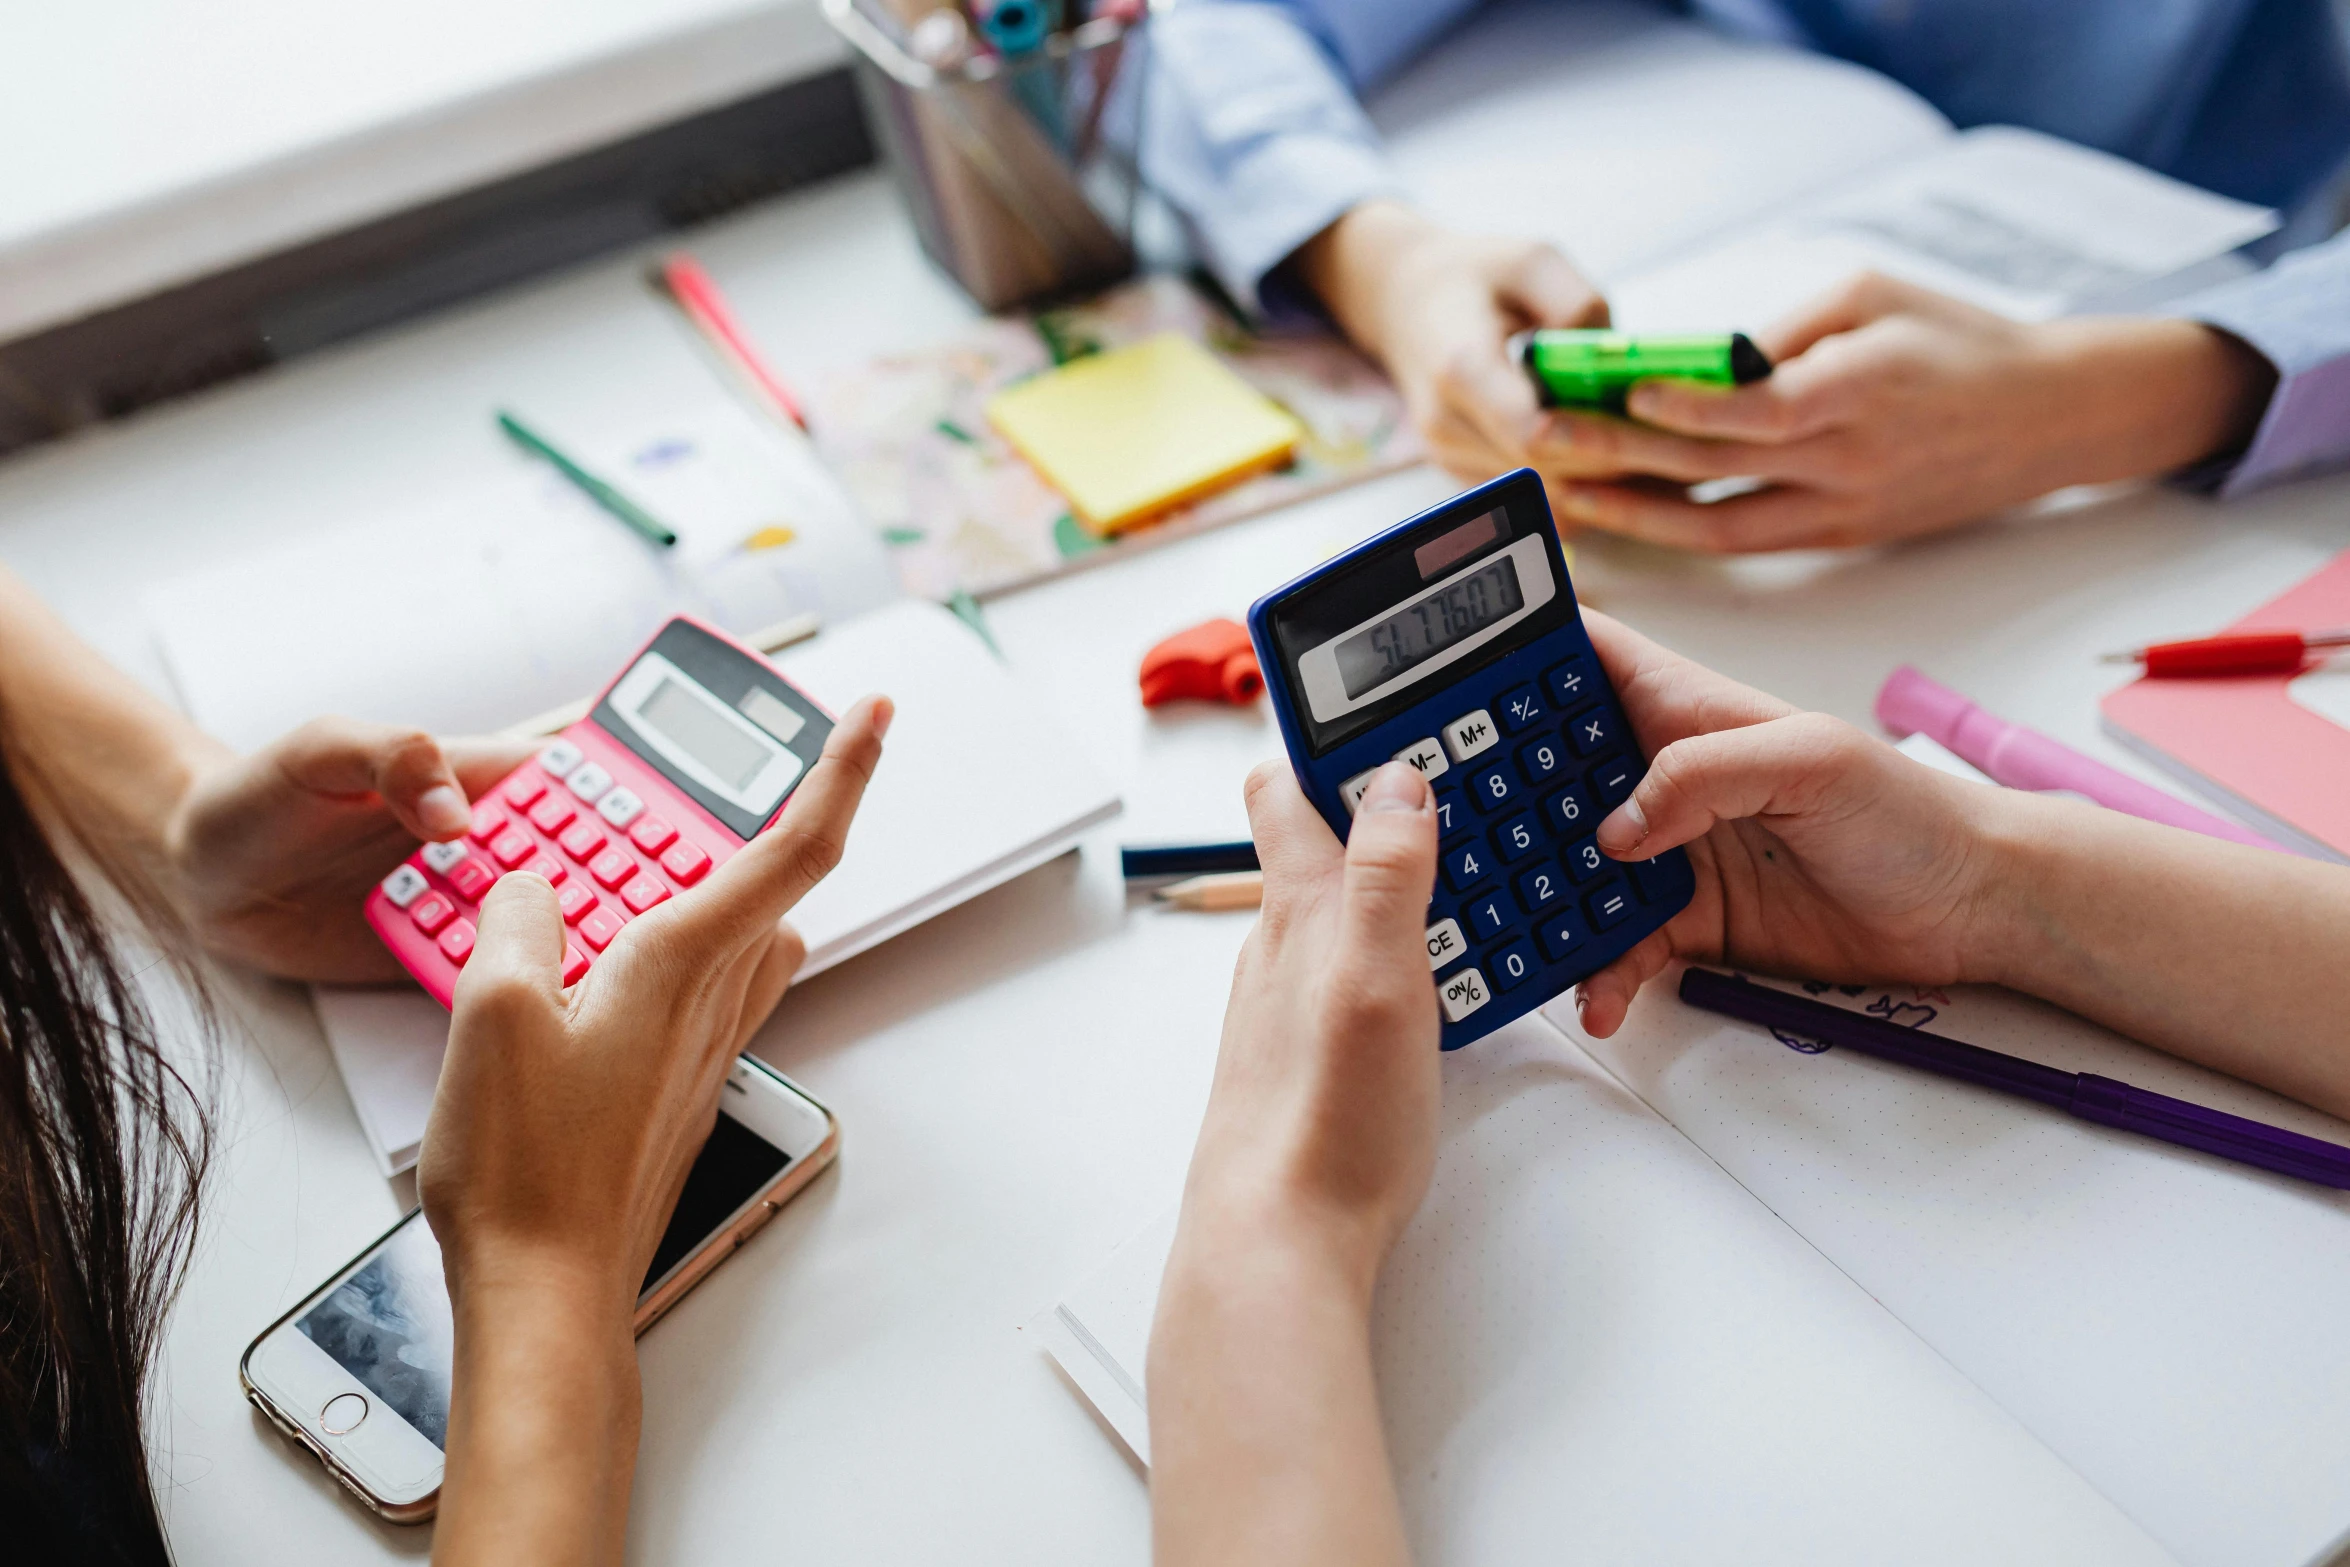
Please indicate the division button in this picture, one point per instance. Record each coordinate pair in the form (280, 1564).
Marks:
(1568, 683)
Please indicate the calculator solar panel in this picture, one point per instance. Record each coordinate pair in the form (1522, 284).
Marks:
(1452, 641)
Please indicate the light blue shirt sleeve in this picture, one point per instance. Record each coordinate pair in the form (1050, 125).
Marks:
(2297, 313)
(1253, 131)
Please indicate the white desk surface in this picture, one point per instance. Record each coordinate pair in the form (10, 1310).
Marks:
(1019, 1081)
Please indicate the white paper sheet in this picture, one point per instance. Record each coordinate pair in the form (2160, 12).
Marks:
(2017, 222)
(1594, 1346)
(470, 611)
(2169, 1323)
(977, 783)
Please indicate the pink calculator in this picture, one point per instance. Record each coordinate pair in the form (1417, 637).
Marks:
(686, 756)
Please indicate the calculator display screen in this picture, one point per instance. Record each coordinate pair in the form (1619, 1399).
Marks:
(1427, 626)
(691, 721)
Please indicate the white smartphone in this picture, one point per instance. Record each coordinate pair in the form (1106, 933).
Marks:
(358, 1373)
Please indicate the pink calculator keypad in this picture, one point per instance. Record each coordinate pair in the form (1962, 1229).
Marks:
(536, 819)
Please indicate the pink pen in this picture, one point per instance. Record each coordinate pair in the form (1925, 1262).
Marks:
(1910, 703)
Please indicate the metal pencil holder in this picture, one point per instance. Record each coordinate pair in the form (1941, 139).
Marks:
(1019, 171)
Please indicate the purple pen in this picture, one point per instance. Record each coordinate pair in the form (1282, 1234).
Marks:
(2083, 1094)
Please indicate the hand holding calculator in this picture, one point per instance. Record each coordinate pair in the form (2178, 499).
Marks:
(687, 755)
(1452, 642)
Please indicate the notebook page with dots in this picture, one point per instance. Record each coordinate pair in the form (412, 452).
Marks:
(2166, 1322)
(1593, 1344)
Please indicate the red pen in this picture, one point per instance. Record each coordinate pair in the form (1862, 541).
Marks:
(2243, 653)
(683, 280)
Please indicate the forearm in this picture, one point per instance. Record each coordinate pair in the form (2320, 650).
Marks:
(1266, 1444)
(543, 1421)
(95, 749)
(1350, 267)
(2129, 397)
(2234, 957)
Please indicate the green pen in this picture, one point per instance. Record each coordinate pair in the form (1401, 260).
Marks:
(595, 489)
(1588, 369)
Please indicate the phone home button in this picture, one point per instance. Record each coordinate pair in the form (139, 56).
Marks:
(343, 1414)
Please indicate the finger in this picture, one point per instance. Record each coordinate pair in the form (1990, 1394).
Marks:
(1850, 305)
(518, 942)
(744, 897)
(405, 768)
(1596, 444)
(770, 977)
(1544, 287)
(1780, 518)
(1492, 398)
(1390, 871)
(1295, 847)
(1776, 768)
(1602, 1000)
(1669, 697)
(480, 761)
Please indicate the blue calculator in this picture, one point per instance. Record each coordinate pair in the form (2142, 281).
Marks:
(1452, 642)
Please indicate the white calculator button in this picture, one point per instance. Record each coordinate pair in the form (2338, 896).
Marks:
(1445, 943)
(404, 886)
(1427, 756)
(587, 780)
(443, 857)
(620, 807)
(561, 757)
(1463, 994)
(1469, 734)
(1351, 791)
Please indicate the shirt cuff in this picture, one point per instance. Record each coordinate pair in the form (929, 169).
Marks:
(2296, 315)
(1282, 194)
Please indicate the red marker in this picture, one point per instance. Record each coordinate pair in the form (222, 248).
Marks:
(2245, 653)
(683, 280)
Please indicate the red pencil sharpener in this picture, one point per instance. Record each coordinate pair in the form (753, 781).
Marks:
(1211, 662)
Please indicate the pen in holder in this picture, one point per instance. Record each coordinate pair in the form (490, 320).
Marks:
(1011, 140)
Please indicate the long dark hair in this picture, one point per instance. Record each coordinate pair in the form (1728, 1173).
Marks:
(103, 1148)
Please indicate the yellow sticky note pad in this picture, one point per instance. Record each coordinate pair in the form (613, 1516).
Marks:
(1127, 434)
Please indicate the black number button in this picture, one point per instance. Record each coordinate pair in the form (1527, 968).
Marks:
(1467, 865)
(1489, 916)
(1541, 759)
(1517, 838)
(1449, 815)
(1492, 789)
(1584, 860)
(1511, 966)
(1541, 887)
(1569, 811)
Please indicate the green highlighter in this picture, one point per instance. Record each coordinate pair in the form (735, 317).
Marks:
(1591, 369)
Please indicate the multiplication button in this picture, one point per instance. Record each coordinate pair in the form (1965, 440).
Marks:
(1462, 994)
(1592, 732)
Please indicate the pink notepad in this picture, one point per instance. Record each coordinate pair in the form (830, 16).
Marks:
(2273, 749)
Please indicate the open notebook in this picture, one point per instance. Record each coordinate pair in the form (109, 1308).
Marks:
(1693, 1295)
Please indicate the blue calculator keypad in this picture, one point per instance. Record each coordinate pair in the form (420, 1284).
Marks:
(1523, 738)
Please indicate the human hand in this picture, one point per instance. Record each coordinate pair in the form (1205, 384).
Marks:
(1895, 411)
(1819, 851)
(1322, 1120)
(566, 1120)
(1438, 309)
(272, 854)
